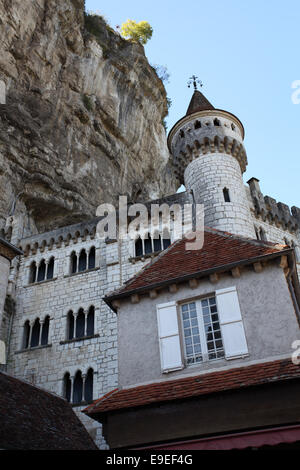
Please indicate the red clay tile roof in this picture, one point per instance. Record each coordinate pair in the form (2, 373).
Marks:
(34, 419)
(195, 386)
(220, 249)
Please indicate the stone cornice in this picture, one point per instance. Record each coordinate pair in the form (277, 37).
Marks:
(202, 114)
(8, 251)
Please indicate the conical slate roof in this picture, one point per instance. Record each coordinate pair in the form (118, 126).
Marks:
(198, 103)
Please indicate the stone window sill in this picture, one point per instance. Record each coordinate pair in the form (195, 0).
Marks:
(143, 257)
(82, 403)
(35, 348)
(83, 338)
(41, 282)
(82, 272)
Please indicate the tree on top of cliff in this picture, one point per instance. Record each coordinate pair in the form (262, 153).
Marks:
(137, 32)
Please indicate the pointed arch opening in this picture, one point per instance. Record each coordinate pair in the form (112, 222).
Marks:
(82, 262)
(88, 386)
(92, 258)
(77, 387)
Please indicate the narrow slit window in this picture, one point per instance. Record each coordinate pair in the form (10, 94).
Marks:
(226, 195)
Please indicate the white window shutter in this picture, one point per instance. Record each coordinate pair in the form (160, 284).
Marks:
(233, 333)
(169, 340)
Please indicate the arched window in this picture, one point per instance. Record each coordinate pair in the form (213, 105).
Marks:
(166, 239)
(45, 331)
(92, 258)
(181, 133)
(88, 386)
(256, 232)
(26, 334)
(80, 324)
(35, 335)
(217, 122)
(157, 243)
(262, 234)
(73, 262)
(41, 271)
(197, 125)
(90, 321)
(226, 195)
(77, 387)
(147, 244)
(138, 247)
(82, 261)
(32, 273)
(67, 386)
(70, 325)
(152, 244)
(50, 268)
(233, 127)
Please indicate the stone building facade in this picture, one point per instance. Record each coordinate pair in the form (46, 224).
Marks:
(63, 336)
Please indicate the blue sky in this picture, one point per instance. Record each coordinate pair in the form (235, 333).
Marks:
(247, 55)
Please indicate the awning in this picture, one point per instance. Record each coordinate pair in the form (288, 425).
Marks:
(263, 437)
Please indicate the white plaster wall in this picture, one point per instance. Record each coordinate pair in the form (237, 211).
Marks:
(268, 314)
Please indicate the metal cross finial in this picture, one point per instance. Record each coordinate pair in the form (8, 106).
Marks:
(194, 81)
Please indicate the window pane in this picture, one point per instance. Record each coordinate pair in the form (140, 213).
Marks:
(212, 328)
(191, 335)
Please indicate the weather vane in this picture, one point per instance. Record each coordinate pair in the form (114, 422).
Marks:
(194, 81)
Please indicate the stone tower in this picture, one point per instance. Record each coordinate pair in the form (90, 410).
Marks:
(210, 158)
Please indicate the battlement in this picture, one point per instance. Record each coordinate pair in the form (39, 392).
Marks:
(84, 230)
(203, 132)
(275, 212)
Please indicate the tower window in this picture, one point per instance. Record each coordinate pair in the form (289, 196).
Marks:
(226, 195)
(152, 244)
(82, 324)
(78, 389)
(262, 234)
(197, 125)
(82, 261)
(32, 274)
(233, 127)
(181, 133)
(36, 334)
(92, 257)
(41, 271)
(50, 269)
(217, 122)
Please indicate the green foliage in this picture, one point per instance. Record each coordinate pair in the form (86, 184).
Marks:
(164, 122)
(87, 102)
(137, 32)
(162, 72)
(94, 23)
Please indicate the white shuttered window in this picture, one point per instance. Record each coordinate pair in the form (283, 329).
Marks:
(231, 323)
(169, 340)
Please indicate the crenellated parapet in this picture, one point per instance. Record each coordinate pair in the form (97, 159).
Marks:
(203, 132)
(59, 238)
(270, 210)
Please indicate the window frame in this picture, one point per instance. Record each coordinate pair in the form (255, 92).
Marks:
(201, 326)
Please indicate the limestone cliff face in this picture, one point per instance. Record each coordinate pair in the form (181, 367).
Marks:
(82, 121)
